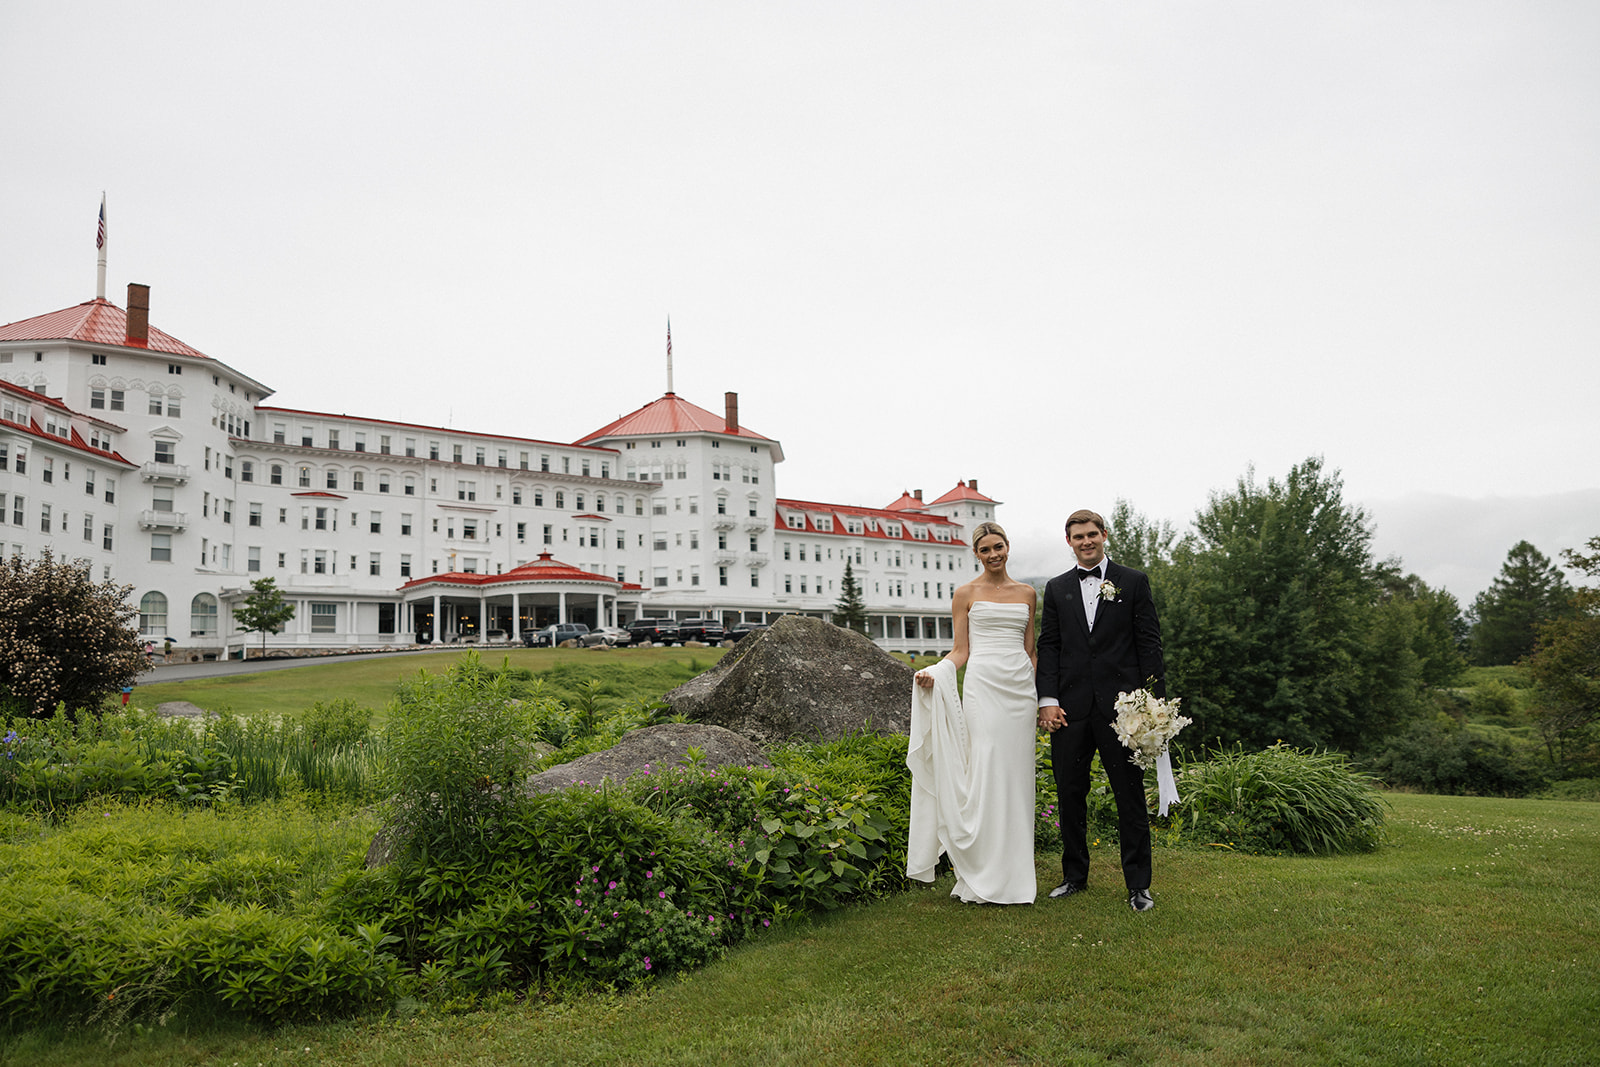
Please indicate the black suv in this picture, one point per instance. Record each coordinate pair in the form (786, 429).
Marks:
(708, 630)
(655, 631)
(552, 635)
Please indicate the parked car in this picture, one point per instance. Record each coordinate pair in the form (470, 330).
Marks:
(554, 634)
(739, 633)
(609, 636)
(708, 630)
(655, 631)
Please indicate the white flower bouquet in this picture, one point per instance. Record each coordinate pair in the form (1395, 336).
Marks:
(1145, 723)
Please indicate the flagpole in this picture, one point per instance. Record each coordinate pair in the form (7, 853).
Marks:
(100, 244)
(669, 355)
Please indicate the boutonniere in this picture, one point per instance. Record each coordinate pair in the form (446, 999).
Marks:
(1109, 592)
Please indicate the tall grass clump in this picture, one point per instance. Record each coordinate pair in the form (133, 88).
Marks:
(1281, 799)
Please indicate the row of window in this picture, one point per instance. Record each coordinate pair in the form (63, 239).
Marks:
(335, 437)
(203, 616)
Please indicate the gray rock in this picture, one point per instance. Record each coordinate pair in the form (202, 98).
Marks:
(666, 745)
(802, 679)
(180, 709)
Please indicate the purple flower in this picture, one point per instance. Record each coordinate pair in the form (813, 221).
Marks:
(662, 894)
(647, 963)
(613, 885)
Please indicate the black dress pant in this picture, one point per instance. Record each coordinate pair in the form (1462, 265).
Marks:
(1072, 749)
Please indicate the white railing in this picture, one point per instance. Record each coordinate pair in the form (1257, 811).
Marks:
(162, 520)
(164, 472)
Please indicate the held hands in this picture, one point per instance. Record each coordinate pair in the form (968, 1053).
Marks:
(1052, 718)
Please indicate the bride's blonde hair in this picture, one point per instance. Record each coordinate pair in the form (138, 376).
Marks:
(984, 529)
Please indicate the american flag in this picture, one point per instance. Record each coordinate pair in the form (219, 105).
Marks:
(100, 237)
(669, 338)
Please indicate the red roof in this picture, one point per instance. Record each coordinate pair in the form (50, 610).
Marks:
(670, 414)
(881, 516)
(964, 491)
(907, 502)
(271, 410)
(75, 439)
(543, 569)
(96, 322)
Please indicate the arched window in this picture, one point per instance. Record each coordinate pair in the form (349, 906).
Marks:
(153, 614)
(600, 503)
(203, 616)
(561, 499)
(277, 474)
(578, 500)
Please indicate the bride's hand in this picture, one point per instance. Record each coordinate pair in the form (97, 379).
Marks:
(924, 679)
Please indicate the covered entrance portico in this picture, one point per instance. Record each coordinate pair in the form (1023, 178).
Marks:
(456, 607)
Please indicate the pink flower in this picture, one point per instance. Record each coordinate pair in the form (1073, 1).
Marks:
(613, 885)
(649, 874)
(647, 963)
(662, 894)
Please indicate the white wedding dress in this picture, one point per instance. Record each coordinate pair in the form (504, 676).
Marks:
(972, 764)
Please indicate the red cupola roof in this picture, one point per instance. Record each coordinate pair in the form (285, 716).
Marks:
(673, 414)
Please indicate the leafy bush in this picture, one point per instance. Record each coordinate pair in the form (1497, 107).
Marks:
(1440, 756)
(1281, 799)
(1495, 702)
(65, 639)
(124, 913)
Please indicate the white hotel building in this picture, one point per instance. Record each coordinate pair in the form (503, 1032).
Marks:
(166, 469)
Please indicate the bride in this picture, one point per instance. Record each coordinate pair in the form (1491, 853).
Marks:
(972, 755)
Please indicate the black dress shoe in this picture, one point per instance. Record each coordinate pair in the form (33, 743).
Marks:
(1139, 900)
(1066, 889)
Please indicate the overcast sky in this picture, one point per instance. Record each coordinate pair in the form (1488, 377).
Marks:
(1078, 251)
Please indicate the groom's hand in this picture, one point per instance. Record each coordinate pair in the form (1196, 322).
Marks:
(1052, 718)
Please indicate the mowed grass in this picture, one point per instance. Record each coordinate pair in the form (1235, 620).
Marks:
(372, 682)
(1472, 936)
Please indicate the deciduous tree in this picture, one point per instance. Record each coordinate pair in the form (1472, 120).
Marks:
(1565, 665)
(265, 610)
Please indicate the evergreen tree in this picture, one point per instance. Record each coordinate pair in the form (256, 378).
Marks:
(1565, 665)
(264, 610)
(851, 611)
(1529, 591)
(64, 638)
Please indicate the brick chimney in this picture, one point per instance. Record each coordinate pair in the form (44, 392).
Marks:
(973, 485)
(731, 407)
(138, 315)
(918, 494)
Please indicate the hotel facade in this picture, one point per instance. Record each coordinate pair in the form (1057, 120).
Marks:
(166, 469)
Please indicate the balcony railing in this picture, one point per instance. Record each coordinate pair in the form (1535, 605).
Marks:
(756, 559)
(162, 520)
(165, 472)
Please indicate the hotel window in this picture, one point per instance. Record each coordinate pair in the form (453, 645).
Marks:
(755, 578)
(549, 535)
(433, 450)
(373, 564)
(383, 444)
(106, 534)
(455, 453)
(88, 527)
(247, 470)
(538, 498)
(405, 524)
(227, 510)
(659, 542)
(469, 529)
(153, 612)
(375, 522)
(161, 547)
(116, 400)
(516, 494)
(544, 462)
(722, 576)
(111, 490)
(522, 460)
(322, 518)
(253, 559)
(660, 578)
(755, 545)
(166, 452)
(500, 458)
(577, 501)
(383, 483)
(788, 583)
(566, 464)
(358, 481)
(324, 618)
(305, 477)
(411, 446)
(97, 398)
(275, 475)
(561, 499)
(466, 490)
(411, 485)
(638, 505)
(405, 565)
(333, 479)
(522, 532)
(47, 469)
(305, 436)
(333, 438)
(361, 442)
(319, 562)
(658, 507)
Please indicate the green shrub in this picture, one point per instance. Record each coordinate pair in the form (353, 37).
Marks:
(1439, 756)
(1280, 799)
(1494, 701)
(1573, 789)
(136, 912)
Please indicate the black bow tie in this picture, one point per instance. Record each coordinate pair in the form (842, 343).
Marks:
(1084, 576)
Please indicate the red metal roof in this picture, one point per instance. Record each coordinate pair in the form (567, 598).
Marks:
(268, 409)
(881, 516)
(543, 569)
(95, 322)
(964, 491)
(74, 439)
(907, 502)
(670, 414)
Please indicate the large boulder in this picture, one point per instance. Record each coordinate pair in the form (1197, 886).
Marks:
(801, 679)
(653, 746)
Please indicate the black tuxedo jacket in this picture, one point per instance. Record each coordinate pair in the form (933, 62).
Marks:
(1085, 669)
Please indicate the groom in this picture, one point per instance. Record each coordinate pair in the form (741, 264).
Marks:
(1099, 637)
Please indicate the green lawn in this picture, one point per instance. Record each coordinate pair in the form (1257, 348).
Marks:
(371, 682)
(1472, 936)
